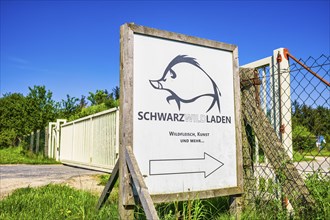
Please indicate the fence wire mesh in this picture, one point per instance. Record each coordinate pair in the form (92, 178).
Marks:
(36, 142)
(286, 140)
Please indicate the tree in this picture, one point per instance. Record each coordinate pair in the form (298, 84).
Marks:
(116, 92)
(321, 119)
(69, 107)
(40, 107)
(302, 139)
(21, 115)
(308, 123)
(98, 97)
(13, 119)
(83, 103)
(103, 96)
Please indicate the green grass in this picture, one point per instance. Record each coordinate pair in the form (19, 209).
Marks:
(63, 202)
(298, 157)
(54, 202)
(104, 179)
(309, 155)
(16, 155)
(215, 208)
(319, 186)
(323, 153)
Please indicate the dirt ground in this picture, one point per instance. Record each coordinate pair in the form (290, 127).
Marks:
(87, 182)
(13, 177)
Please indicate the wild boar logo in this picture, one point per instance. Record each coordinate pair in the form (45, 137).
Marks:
(186, 81)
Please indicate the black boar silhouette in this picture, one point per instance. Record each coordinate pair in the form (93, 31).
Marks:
(186, 82)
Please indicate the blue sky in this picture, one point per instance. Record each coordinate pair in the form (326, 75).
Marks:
(72, 47)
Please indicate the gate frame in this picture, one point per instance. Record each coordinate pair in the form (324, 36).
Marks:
(280, 94)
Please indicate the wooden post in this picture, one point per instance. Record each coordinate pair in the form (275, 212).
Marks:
(31, 141)
(236, 200)
(126, 200)
(37, 141)
(138, 182)
(235, 208)
(293, 184)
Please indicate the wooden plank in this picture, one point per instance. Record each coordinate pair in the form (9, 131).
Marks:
(109, 186)
(126, 120)
(180, 37)
(289, 177)
(236, 204)
(161, 198)
(238, 119)
(141, 188)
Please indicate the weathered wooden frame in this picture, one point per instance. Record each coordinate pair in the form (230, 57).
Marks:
(127, 32)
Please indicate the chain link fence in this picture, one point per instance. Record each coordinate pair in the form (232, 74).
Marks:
(286, 149)
(36, 142)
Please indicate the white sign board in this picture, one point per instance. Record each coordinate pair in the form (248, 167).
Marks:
(184, 118)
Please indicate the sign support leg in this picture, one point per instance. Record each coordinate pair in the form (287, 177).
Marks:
(126, 211)
(141, 188)
(236, 202)
(109, 186)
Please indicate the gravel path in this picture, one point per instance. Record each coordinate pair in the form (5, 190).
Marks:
(18, 176)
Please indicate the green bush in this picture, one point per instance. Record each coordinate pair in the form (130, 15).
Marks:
(89, 111)
(302, 139)
(8, 138)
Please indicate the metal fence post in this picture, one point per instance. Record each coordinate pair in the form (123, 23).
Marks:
(37, 141)
(284, 124)
(31, 141)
